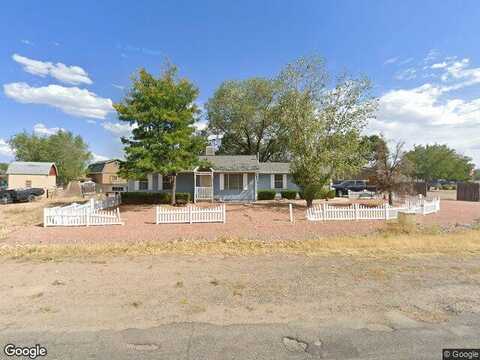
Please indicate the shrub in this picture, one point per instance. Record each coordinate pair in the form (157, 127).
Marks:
(266, 194)
(139, 197)
(289, 194)
(328, 194)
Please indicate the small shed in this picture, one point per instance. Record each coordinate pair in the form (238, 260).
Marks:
(468, 191)
(22, 174)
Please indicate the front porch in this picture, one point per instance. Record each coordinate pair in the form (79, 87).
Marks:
(203, 189)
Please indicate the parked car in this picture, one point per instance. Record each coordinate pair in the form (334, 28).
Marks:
(20, 195)
(343, 187)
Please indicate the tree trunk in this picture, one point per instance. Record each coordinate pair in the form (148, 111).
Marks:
(309, 202)
(174, 189)
(390, 198)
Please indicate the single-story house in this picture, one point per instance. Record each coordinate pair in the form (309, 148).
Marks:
(105, 176)
(21, 174)
(229, 178)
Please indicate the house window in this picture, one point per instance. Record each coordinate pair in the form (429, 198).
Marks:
(167, 182)
(113, 178)
(233, 181)
(143, 184)
(117, 188)
(28, 184)
(278, 181)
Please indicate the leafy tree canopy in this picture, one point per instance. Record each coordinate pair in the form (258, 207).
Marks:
(431, 162)
(162, 112)
(323, 124)
(243, 112)
(68, 151)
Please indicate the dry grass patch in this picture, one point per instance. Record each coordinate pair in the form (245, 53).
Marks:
(25, 214)
(397, 245)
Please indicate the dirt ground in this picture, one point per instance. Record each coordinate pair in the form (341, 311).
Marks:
(114, 293)
(267, 221)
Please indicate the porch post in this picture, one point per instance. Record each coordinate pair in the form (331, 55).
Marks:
(194, 186)
(211, 182)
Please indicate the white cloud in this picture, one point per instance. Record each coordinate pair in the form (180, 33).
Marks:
(431, 56)
(118, 129)
(26, 42)
(426, 114)
(67, 74)
(391, 61)
(5, 149)
(71, 100)
(118, 86)
(41, 129)
(98, 157)
(407, 74)
(439, 65)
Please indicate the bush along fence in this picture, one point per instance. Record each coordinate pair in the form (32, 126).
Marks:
(92, 213)
(190, 214)
(362, 212)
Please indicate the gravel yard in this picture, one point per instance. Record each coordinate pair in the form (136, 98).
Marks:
(262, 221)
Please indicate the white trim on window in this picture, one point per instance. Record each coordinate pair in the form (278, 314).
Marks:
(272, 181)
(285, 185)
(245, 181)
(222, 181)
(136, 185)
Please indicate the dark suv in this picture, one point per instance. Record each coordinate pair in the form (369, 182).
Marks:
(20, 195)
(343, 187)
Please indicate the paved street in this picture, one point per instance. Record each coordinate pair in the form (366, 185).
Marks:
(265, 341)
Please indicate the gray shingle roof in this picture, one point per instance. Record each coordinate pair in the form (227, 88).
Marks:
(29, 168)
(233, 162)
(274, 168)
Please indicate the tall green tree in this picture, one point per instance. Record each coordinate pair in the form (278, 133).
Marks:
(431, 162)
(68, 151)
(323, 124)
(162, 112)
(243, 112)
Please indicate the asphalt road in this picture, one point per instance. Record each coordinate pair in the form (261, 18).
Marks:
(404, 340)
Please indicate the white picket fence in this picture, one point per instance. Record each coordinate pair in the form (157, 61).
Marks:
(92, 213)
(362, 212)
(190, 214)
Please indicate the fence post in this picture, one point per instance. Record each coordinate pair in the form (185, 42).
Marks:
(224, 213)
(190, 214)
(87, 216)
(355, 207)
(118, 216)
(385, 206)
(290, 210)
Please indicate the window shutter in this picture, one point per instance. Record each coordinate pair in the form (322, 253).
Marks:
(160, 182)
(150, 182)
(284, 182)
(222, 182)
(272, 181)
(245, 181)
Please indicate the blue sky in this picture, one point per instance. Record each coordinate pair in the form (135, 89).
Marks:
(62, 64)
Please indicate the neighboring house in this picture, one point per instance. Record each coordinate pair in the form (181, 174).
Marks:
(105, 175)
(22, 174)
(230, 178)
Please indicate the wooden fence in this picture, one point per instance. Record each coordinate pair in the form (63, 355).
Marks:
(325, 212)
(468, 191)
(92, 213)
(190, 214)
